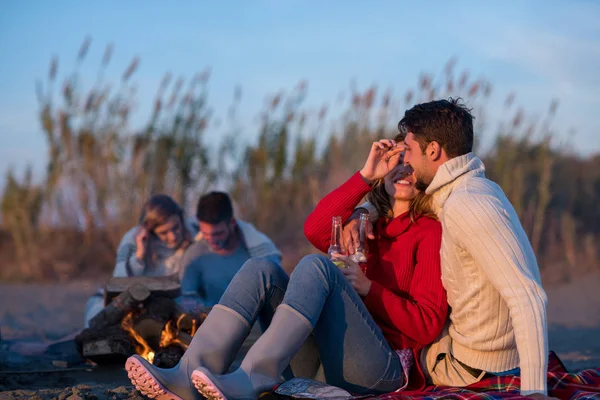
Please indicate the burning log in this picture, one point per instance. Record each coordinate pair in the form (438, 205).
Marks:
(151, 323)
(122, 304)
(140, 319)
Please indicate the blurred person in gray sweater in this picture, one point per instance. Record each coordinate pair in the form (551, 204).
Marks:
(154, 247)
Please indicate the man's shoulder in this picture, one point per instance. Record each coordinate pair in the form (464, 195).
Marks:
(473, 189)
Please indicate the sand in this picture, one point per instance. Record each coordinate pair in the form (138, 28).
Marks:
(34, 313)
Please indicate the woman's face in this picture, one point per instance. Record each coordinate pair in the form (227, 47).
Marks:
(171, 232)
(400, 182)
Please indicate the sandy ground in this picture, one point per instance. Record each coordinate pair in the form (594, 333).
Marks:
(38, 313)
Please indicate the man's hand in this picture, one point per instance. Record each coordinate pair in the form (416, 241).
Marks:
(141, 239)
(355, 276)
(539, 396)
(350, 234)
(383, 157)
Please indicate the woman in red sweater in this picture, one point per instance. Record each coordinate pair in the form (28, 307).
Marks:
(402, 287)
(366, 327)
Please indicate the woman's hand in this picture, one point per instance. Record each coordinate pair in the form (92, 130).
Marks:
(355, 276)
(383, 157)
(351, 232)
(141, 240)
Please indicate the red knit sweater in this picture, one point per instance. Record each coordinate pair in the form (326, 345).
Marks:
(406, 299)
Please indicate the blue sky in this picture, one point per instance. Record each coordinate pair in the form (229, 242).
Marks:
(539, 49)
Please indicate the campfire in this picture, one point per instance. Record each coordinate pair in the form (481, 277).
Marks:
(142, 318)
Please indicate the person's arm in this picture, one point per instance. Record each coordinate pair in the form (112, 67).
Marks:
(191, 282)
(420, 314)
(368, 208)
(383, 157)
(127, 264)
(493, 236)
(340, 202)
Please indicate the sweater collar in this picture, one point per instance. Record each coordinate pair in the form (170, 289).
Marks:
(453, 170)
(394, 227)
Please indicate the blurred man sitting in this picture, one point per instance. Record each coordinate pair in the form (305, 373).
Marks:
(221, 247)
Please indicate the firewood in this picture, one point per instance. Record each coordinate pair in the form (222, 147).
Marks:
(108, 351)
(160, 308)
(184, 338)
(187, 322)
(150, 329)
(90, 335)
(165, 286)
(124, 303)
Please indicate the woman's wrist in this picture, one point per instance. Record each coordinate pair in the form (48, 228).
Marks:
(365, 177)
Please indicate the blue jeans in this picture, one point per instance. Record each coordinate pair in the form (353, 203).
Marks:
(355, 355)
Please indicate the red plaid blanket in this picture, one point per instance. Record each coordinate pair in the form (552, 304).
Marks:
(561, 384)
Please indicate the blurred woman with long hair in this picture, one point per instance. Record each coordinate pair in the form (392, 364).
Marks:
(154, 247)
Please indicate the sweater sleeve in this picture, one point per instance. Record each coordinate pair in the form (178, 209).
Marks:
(420, 315)
(340, 202)
(127, 263)
(371, 209)
(492, 234)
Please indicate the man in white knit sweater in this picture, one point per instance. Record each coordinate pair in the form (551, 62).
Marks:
(498, 306)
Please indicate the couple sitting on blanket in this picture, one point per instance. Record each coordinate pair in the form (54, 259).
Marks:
(444, 236)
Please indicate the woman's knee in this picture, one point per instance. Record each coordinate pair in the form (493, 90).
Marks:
(263, 266)
(315, 262)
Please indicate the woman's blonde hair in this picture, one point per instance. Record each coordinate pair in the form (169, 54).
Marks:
(158, 209)
(420, 205)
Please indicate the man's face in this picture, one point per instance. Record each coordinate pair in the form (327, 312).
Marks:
(171, 232)
(217, 235)
(419, 162)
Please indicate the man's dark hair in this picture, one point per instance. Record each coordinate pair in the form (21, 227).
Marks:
(214, 207)
(448, 122)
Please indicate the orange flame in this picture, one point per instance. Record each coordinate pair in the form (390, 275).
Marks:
(194, 325)
(170, 335)
(141, 347)
(194, 328)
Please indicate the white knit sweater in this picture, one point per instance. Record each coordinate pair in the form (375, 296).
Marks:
(498, 306)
